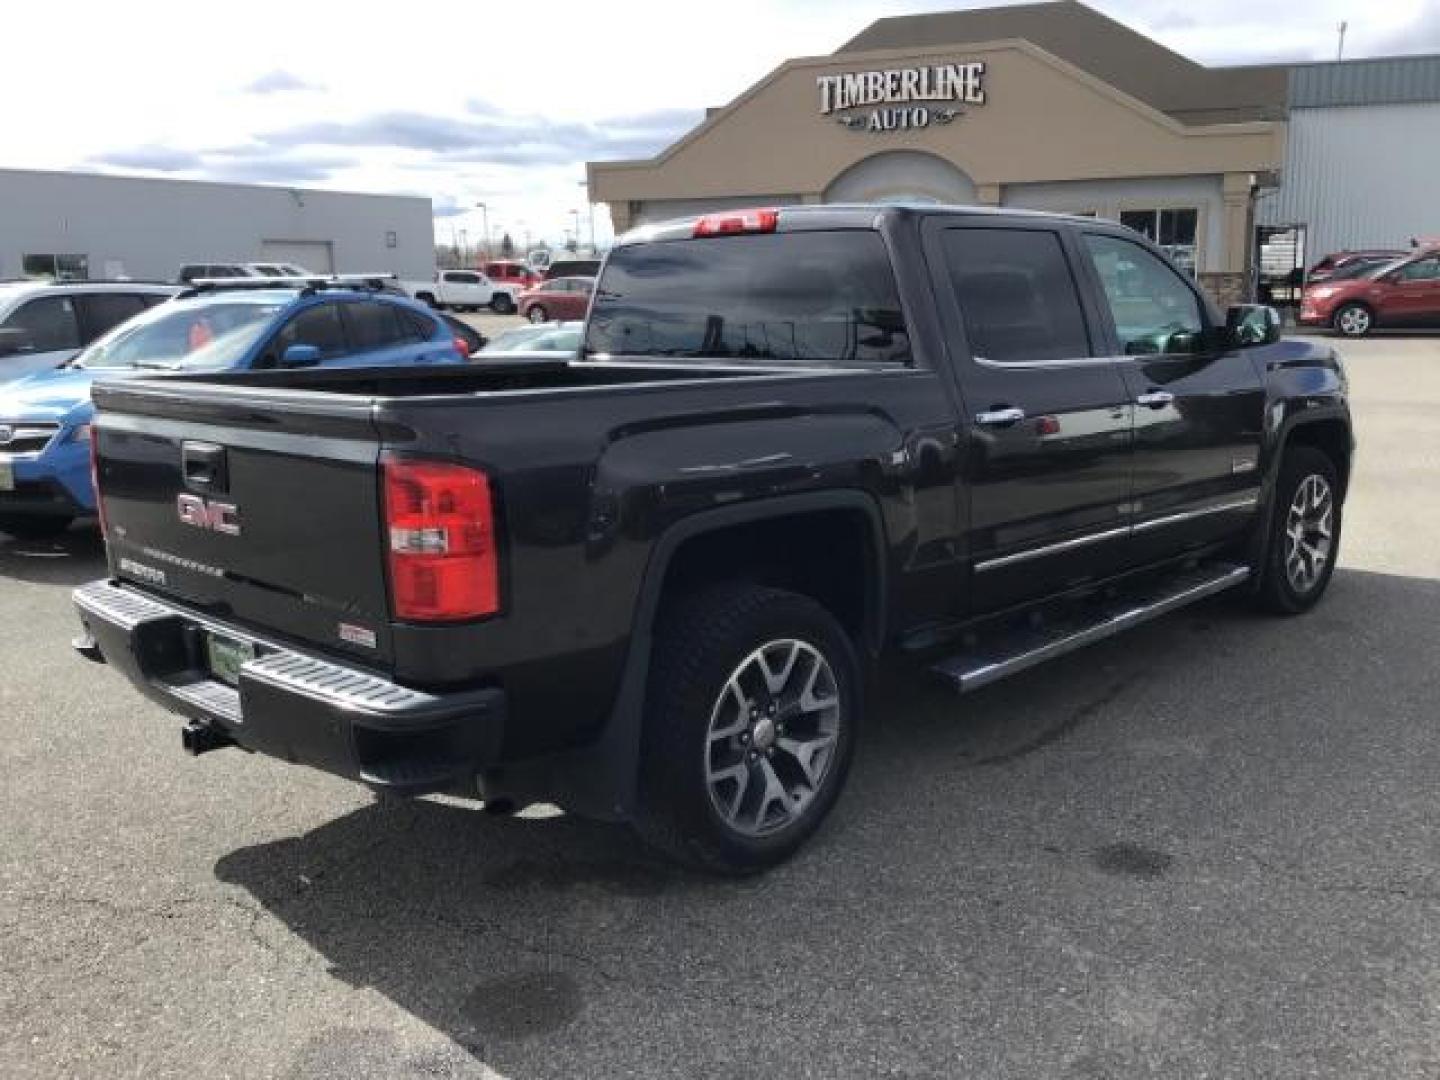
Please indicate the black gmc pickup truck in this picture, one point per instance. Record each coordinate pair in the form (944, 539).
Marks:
(648, 584)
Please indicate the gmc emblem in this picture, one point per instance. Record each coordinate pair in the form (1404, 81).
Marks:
(221, 517)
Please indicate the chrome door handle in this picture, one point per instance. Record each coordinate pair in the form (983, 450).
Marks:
(1000, 417)
(1155, 399)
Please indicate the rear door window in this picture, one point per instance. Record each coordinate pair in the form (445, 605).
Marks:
(374, 325)
(101, 311)
(48, 322)
(805, 297)
(1017, 295)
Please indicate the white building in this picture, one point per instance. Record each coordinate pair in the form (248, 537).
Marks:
(97, 226)
(1362, 151)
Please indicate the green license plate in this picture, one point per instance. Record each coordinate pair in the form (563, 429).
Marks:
(225, 656)
(7, 476)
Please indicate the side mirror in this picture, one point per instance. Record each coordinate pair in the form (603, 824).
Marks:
(14, 340)
(1248, 325)
(300, 356)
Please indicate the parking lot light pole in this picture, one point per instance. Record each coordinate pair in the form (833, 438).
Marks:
(485, 221)
(591, 204)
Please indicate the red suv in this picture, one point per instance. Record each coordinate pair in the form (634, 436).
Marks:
(559, 298)
(1405, 292)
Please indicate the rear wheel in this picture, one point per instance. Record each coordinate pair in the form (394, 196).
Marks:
(1304, 533)
(26, 527)
(502, 304)
(537, 314)
(749, 727)
(1353, 320)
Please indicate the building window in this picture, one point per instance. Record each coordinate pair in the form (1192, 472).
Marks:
(1174, 231)
(58, 267)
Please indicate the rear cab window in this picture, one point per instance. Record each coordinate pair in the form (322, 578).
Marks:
(826, 298)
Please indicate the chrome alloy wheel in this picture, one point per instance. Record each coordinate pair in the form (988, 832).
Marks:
(1354, 321)
(772, 737)
(1309, 529)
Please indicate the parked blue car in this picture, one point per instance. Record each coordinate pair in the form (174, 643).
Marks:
(45, 479)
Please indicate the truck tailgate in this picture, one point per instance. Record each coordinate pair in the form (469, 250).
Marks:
(263, 510)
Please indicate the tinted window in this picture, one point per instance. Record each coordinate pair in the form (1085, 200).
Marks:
(374, 325)
(1016, 294)
(1154, 310)
(48, 322)
(318, 325)
(808, 297)
(104, 310)
(419, 326)
(1422, 270)
(459, 277)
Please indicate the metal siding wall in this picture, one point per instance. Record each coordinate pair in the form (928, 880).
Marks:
(1359, 177)
(1366, 82)
(153, 226)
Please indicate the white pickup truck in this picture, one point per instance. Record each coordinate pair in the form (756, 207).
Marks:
(463, 290)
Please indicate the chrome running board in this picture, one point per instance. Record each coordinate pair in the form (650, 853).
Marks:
(1009, 652)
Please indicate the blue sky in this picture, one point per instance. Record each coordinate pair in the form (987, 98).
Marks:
(459, 106)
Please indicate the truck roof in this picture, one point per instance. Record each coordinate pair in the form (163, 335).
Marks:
(811, 216)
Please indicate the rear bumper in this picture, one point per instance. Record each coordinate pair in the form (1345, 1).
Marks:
(294, 705)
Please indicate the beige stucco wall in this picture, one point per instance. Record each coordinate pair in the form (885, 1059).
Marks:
(1043, 120)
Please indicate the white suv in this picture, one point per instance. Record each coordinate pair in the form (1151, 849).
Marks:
(45, 323)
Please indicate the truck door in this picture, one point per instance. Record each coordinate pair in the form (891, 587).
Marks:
(1048, 416)
(1199, 403)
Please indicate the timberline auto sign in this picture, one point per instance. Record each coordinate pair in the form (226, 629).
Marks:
(892, 95)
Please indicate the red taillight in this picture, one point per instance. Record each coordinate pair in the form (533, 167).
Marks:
(95, 478)
(732, 222)
(440, 521)
(462, 347)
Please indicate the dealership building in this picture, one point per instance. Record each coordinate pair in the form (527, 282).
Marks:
(89, 225)
(1054, 106)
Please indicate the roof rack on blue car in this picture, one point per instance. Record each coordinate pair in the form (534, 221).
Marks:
(308, 285)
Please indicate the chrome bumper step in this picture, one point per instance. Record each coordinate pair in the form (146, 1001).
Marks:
(1024, 646)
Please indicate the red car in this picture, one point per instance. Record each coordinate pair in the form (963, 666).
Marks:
(559, 298)
(510, 272)
(1405, 292)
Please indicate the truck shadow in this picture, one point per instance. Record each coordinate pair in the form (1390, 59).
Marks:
(71, 558)
(541, 947)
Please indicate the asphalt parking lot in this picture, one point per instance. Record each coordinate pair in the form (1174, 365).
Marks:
(1205, 850)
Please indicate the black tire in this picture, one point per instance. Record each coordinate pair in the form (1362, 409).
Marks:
(502, 304)
(537, 314)
(1278, 590)
(1352, 320)
(27, 527)
(701, 643)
